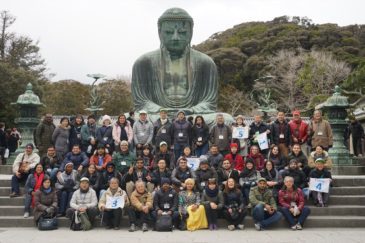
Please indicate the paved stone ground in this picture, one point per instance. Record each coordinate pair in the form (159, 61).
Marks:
(329, 235)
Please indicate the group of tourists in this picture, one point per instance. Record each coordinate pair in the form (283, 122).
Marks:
(149, 171)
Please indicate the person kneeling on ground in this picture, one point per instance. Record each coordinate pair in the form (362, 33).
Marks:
(212, 199)
(264, 206)
(113, 213)
(165, 201)
(291, 200)
(192, 213)
(141, 205)
(84, 200)
(45, 201)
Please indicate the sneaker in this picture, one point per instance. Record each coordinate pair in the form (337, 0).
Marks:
(14, 194)
(116, 228)
(132, 228)
(231, 227)
(144, 227)
(211, 227)
(299, 226)
(241, 226)
(215, 227)
(26, 215)
(294, 227)
(258, 226)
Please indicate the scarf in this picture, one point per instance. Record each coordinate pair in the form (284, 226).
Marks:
(248, 172)
(38, 184)
(269, 175)
(123, 133)
(47, 191)
(211, 193)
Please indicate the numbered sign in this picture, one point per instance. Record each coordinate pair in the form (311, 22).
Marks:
(262, 141)
(319, 185)
(193, 163)
(115, 202)
(240, 132)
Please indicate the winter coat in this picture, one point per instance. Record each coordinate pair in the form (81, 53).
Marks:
(259, 160)
(200, 134)
(168, 157)
(181, 132)
(105, 178)
(60, 139)
(94, 179)
(221, 135)
(286, 197)
(104, 135)
(321, 133)
(233, 199)
(223, 175)
(140, 200)
(299, 130)
(219, 199)
(42, 201)
(75, 136)
(123, 161)
(165, 201)
(280, 162)
(215, 160)
(178, 176)
(118, 193)
(315, 173)
(278, 130)
(313, 156)
(51, 162)
(80, 199)
(236, 161)
(67, 182)
(117, 131)
(31, 160)
(262, 197)
(162, 133)
(300, 179)
(356, 130)
(301, 158)
(142, 132)
(157, 175)
(135, 176)
(43, 135)
(76, 159)
(87, 132)
(202, 177)
(105, 160)
(256, 128)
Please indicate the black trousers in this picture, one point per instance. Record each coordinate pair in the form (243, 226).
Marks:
(235, 221)
(212, 214)
(112, 217)
(134, 215)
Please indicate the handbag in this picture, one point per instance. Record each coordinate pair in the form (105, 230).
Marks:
(85, 222)
(75, 223)
(47, 223)
(163, 223)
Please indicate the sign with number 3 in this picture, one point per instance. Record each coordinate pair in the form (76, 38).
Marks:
(115, 202)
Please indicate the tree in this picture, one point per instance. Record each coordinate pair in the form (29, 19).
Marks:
(234, 101)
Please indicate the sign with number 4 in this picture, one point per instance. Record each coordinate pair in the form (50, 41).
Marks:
(319, 185)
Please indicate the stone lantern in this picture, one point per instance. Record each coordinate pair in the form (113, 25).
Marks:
(335, 108)
(28, 104)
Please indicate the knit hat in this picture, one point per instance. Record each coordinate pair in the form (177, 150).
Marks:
(69, 163)
(106, 117)
(232, 145)
(320, 160)
(165, 180)
(180, 111)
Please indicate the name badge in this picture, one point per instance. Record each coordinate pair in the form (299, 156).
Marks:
(123, 163)
(202, 184)
(181, 134)
(281, 136)
(170, 195)
(163, 131)
(200, 139)
(221, 137)
(166, 205)
(105, 139)
(141, 133)
(320, 133)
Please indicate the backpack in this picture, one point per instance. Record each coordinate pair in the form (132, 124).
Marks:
(80, 221)
(163, 223)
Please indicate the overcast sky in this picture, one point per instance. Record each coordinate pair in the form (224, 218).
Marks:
(78, 37)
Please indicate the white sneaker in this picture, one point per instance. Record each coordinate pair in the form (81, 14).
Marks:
(26, 215)
(299, 226)
(241, 226)
(231, 227)
(294, 227)
(258, 226)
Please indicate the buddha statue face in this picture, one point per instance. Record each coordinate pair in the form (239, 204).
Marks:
(175, 36)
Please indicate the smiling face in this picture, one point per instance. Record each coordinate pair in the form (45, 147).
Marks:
(275, 150)
(230, 183)
(175, 35)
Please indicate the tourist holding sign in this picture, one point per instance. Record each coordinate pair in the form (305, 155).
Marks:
(111, 204)
(240, 135)
(320, 179)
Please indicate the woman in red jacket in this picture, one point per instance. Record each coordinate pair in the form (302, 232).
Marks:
(235, 158)
(291, 201)
(257, 157)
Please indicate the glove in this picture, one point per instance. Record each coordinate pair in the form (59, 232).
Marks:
(50, 210)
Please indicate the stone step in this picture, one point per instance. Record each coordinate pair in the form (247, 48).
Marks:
(348, 180)
(6, 169)
(348, 170)
(5, 183)
(16, 201)
(5, 191)
(347, 200)
(338, 210)
(11, 210)
(348, 190)
(311, 222)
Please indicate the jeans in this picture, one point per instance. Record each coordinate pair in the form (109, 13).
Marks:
(112, 217)
(291, 219)
(15, 181)
(52, 174)
(178, 150)
(27, 202)
(264, 218)
(235, 221)
(133, 215)
(64, 200)
(202, 150)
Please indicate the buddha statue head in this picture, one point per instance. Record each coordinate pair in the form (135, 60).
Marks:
(175, 28)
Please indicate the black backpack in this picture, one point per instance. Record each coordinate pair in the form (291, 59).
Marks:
(163, 223)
